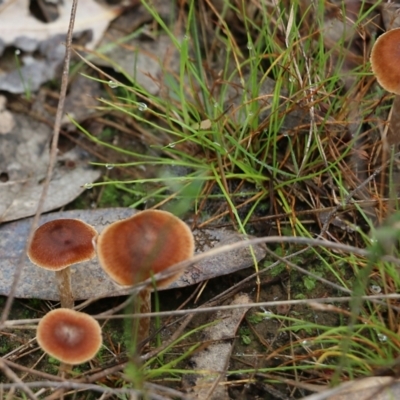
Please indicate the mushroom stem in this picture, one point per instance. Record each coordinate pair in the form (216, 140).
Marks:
(63, 278)
(143, 305)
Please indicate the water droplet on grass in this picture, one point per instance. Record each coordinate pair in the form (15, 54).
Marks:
(109, 166)
(88, 185)
(382, 337)
(142, 106)
(112, 84)
(376, 289)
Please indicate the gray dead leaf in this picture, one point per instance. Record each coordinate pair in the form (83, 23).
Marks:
(150, 62)
(144, 56)
(88, 278)
(7, 122)
(374, 387)
(81, 101)
(24, 156)
(215, 358)
(40, 45)
(390, 13)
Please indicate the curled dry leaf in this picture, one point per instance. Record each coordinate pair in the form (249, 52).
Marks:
(40, 45)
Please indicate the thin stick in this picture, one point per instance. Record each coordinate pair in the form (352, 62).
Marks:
(202, 309)
(52, 162)
(10, 374)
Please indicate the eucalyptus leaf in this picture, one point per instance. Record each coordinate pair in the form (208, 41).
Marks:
(88, 278)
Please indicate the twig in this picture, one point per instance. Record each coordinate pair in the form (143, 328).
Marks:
(256, 241)
(52, 162)
(310, 302)
(31, 371)
(92, 387)
(10, 374)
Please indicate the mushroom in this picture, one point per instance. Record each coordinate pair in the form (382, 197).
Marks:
(385, 61)
(134, 249)
(70, 336)
(58, 244)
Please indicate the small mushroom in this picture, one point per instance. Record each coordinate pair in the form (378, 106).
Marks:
(58, 244)
(385, 61)
(70, 336)
(132, 250)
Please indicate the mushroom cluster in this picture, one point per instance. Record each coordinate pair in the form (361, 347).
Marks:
(130, 251)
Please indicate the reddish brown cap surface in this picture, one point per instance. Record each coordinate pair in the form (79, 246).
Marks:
(385, 60)
(62, 242)
(131, 250)
(69, 336)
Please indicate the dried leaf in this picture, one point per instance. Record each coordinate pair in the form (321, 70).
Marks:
(374, 387)
(42, 43)
(21, 29)
(24, 156)
(215, 358)
(150, 62)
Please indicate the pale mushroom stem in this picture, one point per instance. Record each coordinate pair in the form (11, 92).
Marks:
(63, 278)
(143, 306)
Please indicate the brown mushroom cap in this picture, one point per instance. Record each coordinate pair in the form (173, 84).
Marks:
(62, 242)
(70, 336)
(385, 60)
(133, 249)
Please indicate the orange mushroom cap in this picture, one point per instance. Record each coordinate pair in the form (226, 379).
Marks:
(133, 249)
(62, 242)
(70, 336)
(385, 60)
